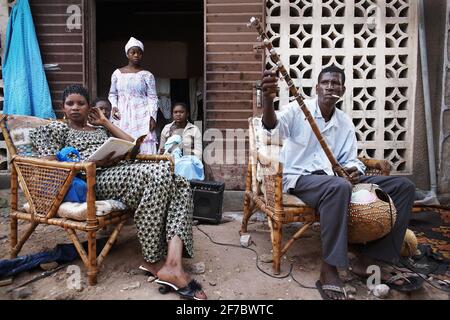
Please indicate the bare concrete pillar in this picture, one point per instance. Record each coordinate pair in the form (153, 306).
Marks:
(444, 154)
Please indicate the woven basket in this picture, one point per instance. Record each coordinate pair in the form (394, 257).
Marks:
(370, 221)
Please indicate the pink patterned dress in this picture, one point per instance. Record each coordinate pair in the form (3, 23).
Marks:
(134, 94)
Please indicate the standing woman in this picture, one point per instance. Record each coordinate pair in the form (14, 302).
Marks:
(133, 98)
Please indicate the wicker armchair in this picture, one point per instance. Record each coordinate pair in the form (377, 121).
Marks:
(265, 193)
(44, 184)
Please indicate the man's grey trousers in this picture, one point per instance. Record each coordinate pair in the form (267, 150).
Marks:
(331, 195)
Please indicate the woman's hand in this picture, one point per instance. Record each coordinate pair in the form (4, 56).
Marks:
(116, 114)
(97, 117)
(152, 124)
(109, 161)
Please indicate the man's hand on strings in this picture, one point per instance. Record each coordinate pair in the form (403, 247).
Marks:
(354, 174)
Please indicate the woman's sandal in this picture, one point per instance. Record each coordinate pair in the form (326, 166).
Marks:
(151, 276)
(411, 283)
(187, 292)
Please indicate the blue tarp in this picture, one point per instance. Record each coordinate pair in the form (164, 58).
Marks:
(26, 87)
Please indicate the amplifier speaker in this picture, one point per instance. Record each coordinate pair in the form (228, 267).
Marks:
(208, 200)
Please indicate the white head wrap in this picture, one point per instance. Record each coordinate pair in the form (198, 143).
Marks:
(133, 42)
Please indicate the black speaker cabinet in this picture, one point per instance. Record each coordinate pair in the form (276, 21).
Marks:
(208, 200)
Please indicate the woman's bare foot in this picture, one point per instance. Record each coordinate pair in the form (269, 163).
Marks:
(178, 277)
(153, 267)
(360, 265)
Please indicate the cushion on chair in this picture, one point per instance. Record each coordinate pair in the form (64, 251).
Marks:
(19, 129)
(78, 211)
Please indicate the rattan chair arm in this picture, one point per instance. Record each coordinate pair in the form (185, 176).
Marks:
(77, 166)
(9, 144)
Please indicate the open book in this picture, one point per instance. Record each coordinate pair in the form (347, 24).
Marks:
(119, 146)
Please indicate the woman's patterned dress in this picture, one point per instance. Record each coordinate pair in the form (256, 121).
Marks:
(162, 203)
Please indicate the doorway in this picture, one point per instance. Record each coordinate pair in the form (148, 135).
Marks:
(172, 33)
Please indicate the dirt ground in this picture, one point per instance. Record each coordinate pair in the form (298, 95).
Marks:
(230, 273)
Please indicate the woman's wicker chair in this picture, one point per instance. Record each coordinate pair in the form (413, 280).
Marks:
(263, 191)
(44, 184)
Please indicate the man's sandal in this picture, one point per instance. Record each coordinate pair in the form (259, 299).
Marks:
(328, 287)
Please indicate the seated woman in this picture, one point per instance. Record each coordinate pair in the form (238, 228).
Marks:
(183, 140)
(162, 203)
(191, 135)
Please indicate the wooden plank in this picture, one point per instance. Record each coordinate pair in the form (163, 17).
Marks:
(47, 9)
(222, 114)
(230, 47)
(249, 66)
(43, 18)
(59, 86)
(232, 56)
(233, 8)
(239, 85)
(230, 105)
(61, 48)
(229, 95)
(231, 17)
(46, 28)
(211, 2)
(68, 67)
(232, 76)
(54, 2)
(227, 123)
(231, 37)
(67, 77)
(228, 27)
(52, 38)
(62, 57)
